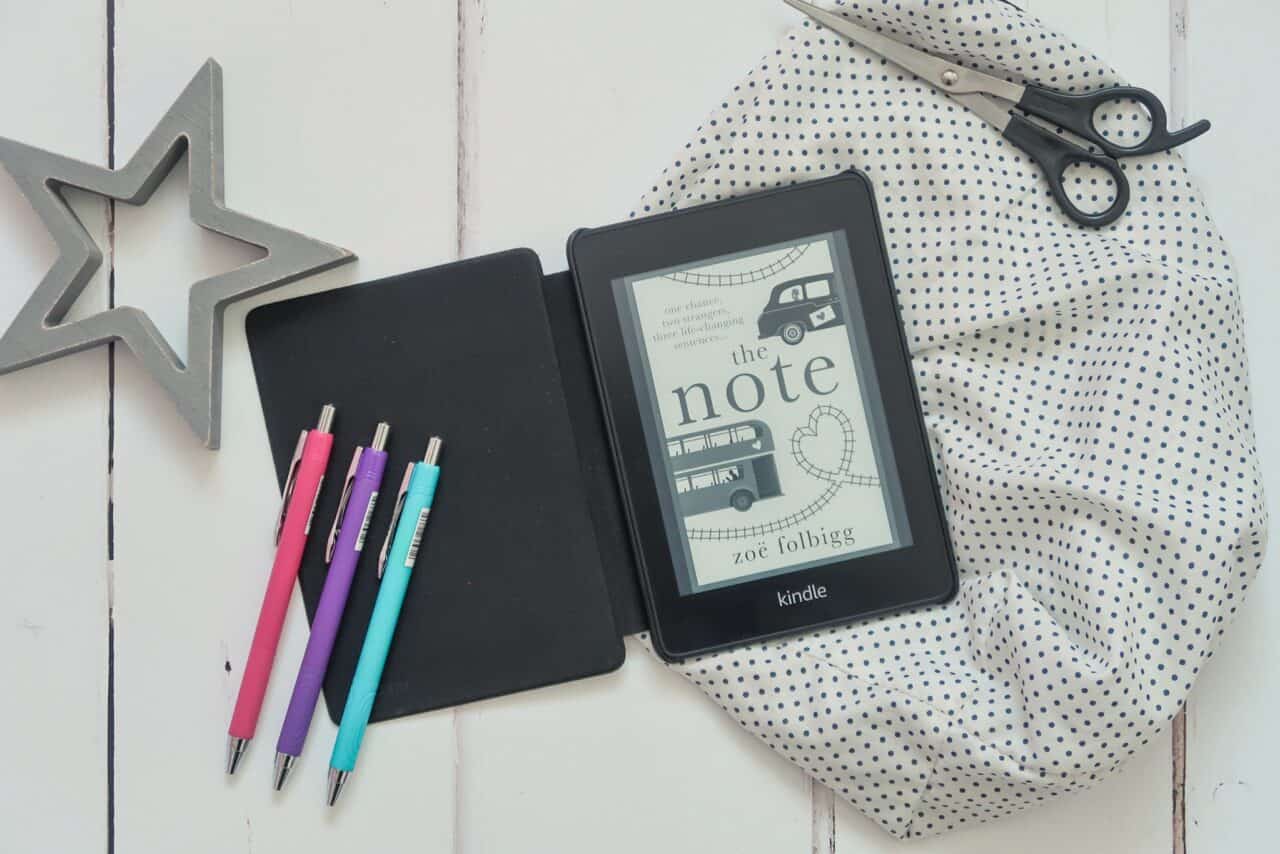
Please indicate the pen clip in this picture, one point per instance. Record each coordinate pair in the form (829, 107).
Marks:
(336, 528)
(289, 482)
(395, 519)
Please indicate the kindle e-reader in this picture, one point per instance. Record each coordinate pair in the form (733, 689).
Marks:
(763, 418)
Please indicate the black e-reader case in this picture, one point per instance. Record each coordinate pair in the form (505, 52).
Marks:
(527, 575)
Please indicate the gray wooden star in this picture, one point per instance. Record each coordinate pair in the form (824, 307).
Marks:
(194, 125)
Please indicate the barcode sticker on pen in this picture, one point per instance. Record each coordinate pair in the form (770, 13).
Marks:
(412, 556)
(364, 524)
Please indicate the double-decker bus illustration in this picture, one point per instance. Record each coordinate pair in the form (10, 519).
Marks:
(730, 466)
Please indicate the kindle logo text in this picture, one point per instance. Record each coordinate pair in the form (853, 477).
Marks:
(787, 598)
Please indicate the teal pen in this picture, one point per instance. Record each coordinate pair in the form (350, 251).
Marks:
(399, 553)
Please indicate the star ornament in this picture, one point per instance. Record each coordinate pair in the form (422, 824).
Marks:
(194, 125)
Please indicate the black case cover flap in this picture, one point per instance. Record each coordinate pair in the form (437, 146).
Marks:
(525, 576)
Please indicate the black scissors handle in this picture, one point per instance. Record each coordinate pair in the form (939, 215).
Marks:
(1076, 112)
(1055, 155)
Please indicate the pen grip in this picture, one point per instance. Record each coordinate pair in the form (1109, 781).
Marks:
(284, 572)
(373, 657)
(382, 624)
(333, 601)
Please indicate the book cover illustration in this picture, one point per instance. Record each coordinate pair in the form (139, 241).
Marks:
(762, 420)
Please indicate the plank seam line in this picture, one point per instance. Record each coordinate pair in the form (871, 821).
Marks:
(111, 436)
(462, 59)
(461, 177)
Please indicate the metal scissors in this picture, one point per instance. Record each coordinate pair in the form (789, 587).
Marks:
(1053, 153)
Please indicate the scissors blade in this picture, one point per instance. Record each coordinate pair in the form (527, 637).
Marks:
(991, 112)
(947, 76)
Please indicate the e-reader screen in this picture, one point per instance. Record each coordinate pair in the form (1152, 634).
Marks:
(764, 428)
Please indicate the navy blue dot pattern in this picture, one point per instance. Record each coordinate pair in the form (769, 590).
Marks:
(1086, 394)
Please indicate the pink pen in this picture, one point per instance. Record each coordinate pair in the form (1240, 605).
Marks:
(306, 472)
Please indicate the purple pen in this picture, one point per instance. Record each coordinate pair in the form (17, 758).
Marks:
(342, 552)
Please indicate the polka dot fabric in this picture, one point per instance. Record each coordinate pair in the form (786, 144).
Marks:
(1087, 401)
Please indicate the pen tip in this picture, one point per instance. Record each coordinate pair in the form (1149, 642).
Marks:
(235, 750)
(284, 764)
(337, 779)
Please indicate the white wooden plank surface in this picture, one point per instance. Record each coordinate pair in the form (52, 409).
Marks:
(339, 123)
(574, 108)
(53, 463)
(409, 131)
(1233, 746)
(637, 758)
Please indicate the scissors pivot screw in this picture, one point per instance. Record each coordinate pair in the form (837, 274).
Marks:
(950, 78)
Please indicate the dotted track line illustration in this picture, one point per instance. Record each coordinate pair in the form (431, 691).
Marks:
(723, 280)
(844, 471)
(835, 479)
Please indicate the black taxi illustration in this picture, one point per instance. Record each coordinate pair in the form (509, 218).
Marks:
(799, 306)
